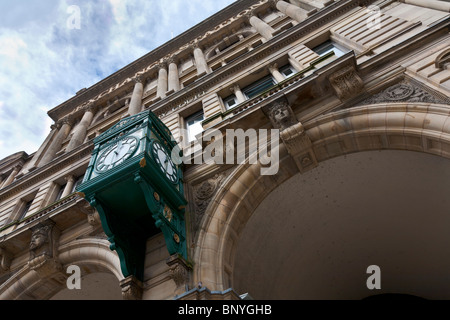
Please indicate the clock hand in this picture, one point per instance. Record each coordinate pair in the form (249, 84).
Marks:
(166, 163)
(119, 147)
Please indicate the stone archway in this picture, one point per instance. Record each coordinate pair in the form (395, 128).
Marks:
(91, 255)
(399, 126)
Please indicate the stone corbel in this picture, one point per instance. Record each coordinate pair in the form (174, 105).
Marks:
(299, 146)
(131, 288)
(5, 260)
(292, 133)
(43, 251)
(93, 217)
(179, 273)
(346, 83)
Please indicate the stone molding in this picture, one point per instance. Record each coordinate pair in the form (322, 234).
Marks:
(346, 83)
(305, 27)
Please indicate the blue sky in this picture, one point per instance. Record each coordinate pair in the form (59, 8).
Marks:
(43, 62)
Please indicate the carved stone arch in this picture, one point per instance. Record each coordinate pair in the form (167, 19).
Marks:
(92, 252)
(91, 255)
(421, 127)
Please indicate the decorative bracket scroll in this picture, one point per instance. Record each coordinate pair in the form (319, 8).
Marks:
(346, 83)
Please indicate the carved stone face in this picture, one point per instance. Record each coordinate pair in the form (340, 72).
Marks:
(37, 240)
(282, 116)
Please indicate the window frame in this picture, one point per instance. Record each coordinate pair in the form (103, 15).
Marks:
(259, 86)
(193, 117)
(330, 46)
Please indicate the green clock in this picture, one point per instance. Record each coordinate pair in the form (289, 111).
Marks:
(164, 162)
(137, 189)
(117, 153)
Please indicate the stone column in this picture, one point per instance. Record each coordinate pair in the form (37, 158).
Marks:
(200, 62)
(69, 186)
(174, 80)
(55, 145)
(161, 90)
(292, 11)
(431, 4)
(238, 92)
(81, 131)
(261, 27)
(273, 68)
(11, 177)
(136, 99)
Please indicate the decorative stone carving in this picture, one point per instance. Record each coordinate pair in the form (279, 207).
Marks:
(5, 260)
(398, 92)
(203, 194)
(131, 288)
(299, 146)
(92, 214)
(179, 272)
(346, 83)
(280, 114)
(43, 250)
(138, 78)
(292, 133)
(406, 91)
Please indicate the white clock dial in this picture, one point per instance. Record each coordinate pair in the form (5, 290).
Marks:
(164, 162)
(116, 154)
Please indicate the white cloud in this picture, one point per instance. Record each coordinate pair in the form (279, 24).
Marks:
(43, 63)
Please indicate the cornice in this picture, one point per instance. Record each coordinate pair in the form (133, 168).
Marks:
(197, 89)
(37, 176)
(138, 65)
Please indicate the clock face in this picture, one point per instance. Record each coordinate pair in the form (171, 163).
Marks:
(164, 161)
(116, 154)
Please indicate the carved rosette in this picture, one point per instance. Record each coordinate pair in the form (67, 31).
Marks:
(346, 83)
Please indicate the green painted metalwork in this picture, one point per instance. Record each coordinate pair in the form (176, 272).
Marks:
(137, 193)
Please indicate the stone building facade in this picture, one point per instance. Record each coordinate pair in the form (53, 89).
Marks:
(363, 87)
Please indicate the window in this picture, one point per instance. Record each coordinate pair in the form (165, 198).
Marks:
(77, 183)
(287, 71)
(330, 46)
(194, 125)
(60, 192)
(27, 207)
(230, 101)
(259, 86)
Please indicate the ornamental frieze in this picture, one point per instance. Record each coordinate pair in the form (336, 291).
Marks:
(406, 91)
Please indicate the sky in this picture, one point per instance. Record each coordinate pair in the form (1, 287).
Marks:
(51, 49)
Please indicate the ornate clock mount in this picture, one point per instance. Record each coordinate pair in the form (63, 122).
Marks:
(137, 189)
